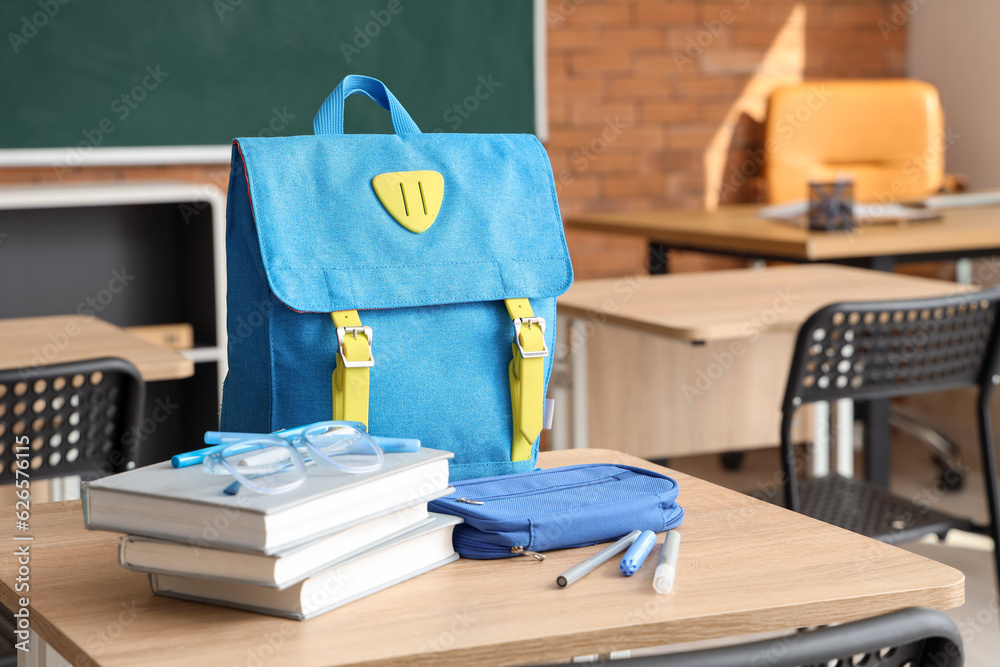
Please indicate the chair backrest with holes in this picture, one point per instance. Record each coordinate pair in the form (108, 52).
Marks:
(882, 349)
(68, 419)
(907, 638)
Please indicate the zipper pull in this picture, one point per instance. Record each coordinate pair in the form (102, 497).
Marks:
(521, 551)
(469, 502)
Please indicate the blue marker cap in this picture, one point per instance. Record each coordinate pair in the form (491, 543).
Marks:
(636, 554)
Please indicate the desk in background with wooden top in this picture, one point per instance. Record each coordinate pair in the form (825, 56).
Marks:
(40, 341)
(738, 230)
(696, 363)
(745, 566)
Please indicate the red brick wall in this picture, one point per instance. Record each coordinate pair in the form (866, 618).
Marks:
(659, 103)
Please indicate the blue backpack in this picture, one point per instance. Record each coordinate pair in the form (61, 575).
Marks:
(407, 281)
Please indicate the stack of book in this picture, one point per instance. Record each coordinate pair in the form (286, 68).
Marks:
(337, 538)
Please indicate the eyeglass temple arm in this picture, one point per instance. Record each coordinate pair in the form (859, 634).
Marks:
(388, 445)
(198, 456)
(219, 439)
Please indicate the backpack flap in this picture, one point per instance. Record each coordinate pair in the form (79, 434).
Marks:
(329, 244)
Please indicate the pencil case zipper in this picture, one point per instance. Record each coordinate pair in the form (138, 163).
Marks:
(493, 550)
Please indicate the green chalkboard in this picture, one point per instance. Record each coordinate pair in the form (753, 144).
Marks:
(201, 72)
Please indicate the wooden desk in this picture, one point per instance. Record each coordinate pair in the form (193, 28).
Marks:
(34, 341)
(737, 230)
(746, 566)
(652, 393)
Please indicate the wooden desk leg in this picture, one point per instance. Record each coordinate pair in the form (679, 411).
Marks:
(578, 364)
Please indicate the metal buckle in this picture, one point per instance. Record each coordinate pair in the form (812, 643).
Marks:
(367, 331)
(540, 321)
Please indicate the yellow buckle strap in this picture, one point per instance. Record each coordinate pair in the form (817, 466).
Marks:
(527, 374)
(354, 362)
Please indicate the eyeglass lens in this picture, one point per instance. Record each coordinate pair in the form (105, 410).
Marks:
(345, 447)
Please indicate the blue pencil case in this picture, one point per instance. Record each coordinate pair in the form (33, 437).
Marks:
(558, 508)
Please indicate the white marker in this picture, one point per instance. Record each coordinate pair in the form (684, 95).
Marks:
(666, 570)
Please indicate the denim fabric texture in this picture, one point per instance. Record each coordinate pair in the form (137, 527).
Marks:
(559, 508)
(306, 235)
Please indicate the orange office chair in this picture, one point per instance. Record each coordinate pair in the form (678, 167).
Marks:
(885, 134)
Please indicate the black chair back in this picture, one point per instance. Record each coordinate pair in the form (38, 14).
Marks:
(915, 637)
(69, 419)
(885, 349)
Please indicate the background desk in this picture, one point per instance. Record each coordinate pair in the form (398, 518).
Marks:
(26, 342)
(737, 230)
(745, 566)
(642, 387)
(34, 341)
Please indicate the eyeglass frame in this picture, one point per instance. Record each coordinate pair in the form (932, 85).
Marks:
(293, 440)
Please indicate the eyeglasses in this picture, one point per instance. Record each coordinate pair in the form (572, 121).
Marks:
(276, 463)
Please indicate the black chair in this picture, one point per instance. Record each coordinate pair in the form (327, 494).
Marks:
(71, 419)
(881, 350)
(909, 638)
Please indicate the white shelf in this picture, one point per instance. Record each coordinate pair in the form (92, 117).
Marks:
(139, 193)
(70, 158)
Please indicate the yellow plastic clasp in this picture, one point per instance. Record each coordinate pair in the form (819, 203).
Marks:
(354, 362)
(527, 377)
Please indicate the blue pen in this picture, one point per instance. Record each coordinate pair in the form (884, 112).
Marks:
(220, 439)
(636, 554)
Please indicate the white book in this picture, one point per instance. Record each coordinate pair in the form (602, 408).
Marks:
(187, 505)
(387, 564)
(281, 570)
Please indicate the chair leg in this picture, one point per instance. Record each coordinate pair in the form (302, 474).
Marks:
(791, 482)
(990, 474)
